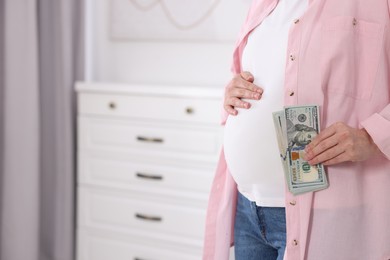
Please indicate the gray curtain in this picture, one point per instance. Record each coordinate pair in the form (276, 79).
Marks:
(40, 58)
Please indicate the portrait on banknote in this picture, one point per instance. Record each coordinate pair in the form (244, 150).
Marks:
(299, 134)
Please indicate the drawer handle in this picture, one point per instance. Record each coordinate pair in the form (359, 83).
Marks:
(149, 139)
(190, 110)
(149, 176)
(148, 218)
(137, 258)
(112, 105)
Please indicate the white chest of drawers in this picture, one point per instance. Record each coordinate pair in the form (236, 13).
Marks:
(146, 160)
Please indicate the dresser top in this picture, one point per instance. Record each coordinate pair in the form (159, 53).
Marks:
(158, 90)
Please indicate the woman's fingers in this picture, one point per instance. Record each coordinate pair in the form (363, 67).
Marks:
(233, 103)
(230, 110)
(246, 75)
(336, 160)
(328, 154)
(325, 134)
(248, 82)
(241, 87)
(340, 143)
(322, 142)
(243, 93)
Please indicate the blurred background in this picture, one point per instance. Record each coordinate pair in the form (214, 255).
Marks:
(109, 125)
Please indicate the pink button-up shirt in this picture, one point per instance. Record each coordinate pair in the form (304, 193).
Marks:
(338, 57)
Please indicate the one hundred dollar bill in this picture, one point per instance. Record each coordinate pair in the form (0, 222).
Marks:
(295, 127)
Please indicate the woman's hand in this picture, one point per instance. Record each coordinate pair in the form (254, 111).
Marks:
(241, 86)
(340, 143)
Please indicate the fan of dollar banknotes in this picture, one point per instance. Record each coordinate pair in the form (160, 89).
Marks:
(295, 127)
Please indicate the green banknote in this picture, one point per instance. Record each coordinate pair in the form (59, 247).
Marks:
(295, 128)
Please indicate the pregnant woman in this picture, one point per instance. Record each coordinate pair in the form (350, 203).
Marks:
(334, 54)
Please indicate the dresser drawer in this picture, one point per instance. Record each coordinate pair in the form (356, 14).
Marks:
(130, 211)
(149, 139)
(136, 176)
(151, 107)
(111, 247)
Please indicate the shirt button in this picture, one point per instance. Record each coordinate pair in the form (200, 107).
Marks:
(296, 21)
(292, 57)
(295, 242)
(291, 93)
(293, 203)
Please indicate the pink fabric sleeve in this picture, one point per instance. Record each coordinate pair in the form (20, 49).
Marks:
(224, 114)
(388, 5)
(378, 126)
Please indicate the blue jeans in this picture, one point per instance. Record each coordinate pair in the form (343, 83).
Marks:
(259, 232)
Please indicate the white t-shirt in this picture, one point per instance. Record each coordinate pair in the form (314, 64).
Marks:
(250, 144)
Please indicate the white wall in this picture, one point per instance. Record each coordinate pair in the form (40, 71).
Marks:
(155, 62)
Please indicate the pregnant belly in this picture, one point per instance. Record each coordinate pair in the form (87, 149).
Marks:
(250, 145)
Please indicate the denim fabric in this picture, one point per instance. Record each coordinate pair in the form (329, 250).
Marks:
(259, 232)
